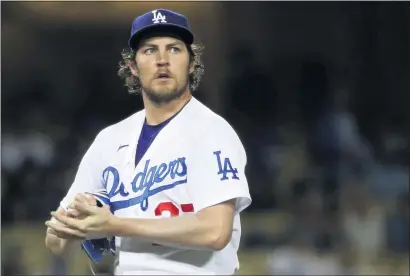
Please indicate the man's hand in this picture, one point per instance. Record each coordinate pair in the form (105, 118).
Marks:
(52, 233)
(80, 198)
(60, 243)
(73, 213)
(94, 222)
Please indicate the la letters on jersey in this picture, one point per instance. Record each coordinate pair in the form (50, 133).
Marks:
(226, 168)
(171, 174)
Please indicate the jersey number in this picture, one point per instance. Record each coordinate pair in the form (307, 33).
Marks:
(170, 208)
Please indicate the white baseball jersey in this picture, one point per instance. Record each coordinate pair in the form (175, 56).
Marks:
(196, 161)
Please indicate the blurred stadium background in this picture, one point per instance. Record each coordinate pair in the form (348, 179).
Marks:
(318, 92)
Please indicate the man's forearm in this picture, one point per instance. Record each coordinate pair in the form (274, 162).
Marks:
(186, 231)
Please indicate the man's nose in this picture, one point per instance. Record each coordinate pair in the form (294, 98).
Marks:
(162, 59)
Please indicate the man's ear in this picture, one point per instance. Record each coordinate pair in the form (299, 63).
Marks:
(134, 69)
(191, 67)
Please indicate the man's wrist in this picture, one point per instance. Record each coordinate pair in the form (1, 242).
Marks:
(114, 225)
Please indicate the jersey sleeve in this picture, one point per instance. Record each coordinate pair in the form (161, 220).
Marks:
(88, 177)
(216, 171)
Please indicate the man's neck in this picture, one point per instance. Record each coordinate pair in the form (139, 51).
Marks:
(156, 114)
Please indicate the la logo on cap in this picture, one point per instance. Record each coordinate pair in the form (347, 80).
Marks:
(158, 17)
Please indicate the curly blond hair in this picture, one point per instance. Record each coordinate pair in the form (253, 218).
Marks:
(133, 83)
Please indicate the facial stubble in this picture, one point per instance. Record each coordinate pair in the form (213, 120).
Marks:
(162, 97)
(159, 97)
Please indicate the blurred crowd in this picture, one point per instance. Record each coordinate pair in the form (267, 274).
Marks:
(340, 195)
(329, 196)
(344, 194)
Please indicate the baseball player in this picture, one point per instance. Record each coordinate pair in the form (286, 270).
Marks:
(167, 182)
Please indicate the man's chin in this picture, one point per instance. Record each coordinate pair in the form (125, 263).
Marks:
(163, 90)
(163, 95)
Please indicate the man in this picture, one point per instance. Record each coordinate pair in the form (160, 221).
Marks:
(173, 172)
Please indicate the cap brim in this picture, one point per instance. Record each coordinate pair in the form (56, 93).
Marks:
(183, 33)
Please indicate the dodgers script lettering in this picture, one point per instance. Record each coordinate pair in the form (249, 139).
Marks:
(172, 174)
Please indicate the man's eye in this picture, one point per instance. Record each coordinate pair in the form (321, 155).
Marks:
(149, 51)
(175, 50)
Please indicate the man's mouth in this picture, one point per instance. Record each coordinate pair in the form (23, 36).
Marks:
(163, 76)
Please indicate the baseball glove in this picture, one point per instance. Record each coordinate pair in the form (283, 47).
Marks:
(97, 248)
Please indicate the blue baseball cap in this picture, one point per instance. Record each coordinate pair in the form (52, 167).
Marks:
(161, 20)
